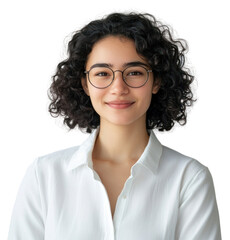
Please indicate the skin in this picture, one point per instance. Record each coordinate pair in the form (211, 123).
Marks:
(123, 136)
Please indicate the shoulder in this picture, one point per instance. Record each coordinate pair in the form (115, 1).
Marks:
(55, 160)
(63, 160)
(177, 160)
(184, 174)
(182, 168)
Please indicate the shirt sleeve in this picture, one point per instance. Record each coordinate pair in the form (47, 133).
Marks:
(198, 214)
(26, 220)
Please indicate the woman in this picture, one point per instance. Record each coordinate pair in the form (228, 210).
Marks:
(124, 76)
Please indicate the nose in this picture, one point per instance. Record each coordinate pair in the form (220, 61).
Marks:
(118, 86)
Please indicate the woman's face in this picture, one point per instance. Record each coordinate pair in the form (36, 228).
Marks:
(118, 104)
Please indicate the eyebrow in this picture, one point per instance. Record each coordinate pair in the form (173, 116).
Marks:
(128, 64)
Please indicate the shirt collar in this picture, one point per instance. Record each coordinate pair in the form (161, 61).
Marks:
(150, 157)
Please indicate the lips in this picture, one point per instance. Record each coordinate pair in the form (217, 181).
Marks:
(119, 104)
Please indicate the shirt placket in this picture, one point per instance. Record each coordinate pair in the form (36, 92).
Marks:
(121, 206)
(113, 224)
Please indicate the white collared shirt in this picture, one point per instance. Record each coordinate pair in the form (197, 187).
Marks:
(167, 196)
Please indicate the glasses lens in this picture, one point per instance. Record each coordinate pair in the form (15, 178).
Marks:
(100, 77)
(135, 76)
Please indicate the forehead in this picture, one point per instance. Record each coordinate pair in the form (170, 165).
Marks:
(114, 50)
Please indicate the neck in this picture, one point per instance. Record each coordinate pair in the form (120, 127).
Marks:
(120, 144)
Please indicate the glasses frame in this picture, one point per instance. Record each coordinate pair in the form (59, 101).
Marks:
(122, 72)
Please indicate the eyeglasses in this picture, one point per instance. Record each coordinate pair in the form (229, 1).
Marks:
(102, 77)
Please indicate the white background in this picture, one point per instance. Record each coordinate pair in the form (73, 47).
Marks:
(33, 38)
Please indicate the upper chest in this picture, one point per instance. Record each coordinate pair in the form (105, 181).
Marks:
(80, 203)
(112, 174)
(113, 177)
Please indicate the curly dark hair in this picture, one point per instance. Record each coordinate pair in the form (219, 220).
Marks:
(153, 41)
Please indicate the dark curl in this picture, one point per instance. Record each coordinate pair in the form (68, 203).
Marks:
(154, 42)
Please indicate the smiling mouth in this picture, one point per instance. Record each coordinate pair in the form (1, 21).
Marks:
(119, 105)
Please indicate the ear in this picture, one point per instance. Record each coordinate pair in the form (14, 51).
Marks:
(156, 86)
(84, 85)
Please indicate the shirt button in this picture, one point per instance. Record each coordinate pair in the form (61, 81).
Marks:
(124, 197)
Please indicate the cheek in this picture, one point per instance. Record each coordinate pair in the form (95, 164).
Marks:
(146, 96)
(96, 97)
(148, 102)
(148, 93)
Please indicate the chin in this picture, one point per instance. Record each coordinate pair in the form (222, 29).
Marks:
(124, 121)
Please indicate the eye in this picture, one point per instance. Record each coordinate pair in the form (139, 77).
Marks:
(134, 73)
(102, 74)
